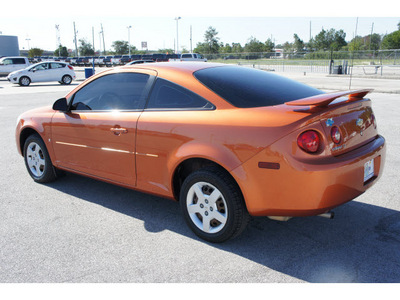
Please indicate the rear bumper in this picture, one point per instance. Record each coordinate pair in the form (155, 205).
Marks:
(305, 188)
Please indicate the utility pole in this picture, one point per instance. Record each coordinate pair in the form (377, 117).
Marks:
(191, 49)
(129, 39)
(104, 44)
(76, 43)
(370, 37)
(177, 38)
(93, 40)
(58, 38)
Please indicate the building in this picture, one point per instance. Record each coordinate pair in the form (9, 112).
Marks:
(9, 45)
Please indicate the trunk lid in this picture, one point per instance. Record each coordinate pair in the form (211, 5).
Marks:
(352, 116)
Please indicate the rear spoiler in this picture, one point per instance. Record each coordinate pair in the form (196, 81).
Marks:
(323, 100)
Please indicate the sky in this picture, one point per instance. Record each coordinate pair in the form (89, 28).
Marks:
(154, 22)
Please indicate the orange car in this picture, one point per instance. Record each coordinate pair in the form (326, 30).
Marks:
(225, 141)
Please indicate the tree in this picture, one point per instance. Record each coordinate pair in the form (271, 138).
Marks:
(201, 48)
(211, 39)
(166, 50)
(374, 41)
(392, 40)
(329, 40)
(120, 47)
(356, 44)
(35, 52)
(287, 47)
(237, 48)
(269, 45)
(85, 48)
(298, 44)
(61, 51)
(254, 45)
(225, 48)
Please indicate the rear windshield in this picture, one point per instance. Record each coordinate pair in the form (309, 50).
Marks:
(245, 87)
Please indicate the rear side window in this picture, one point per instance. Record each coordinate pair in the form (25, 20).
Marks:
(18, 61)
(57, 65)
(245, 87)
(168, 95)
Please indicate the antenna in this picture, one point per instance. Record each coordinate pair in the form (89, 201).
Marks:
(352, 58)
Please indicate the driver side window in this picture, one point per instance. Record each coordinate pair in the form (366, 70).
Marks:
(121, 91)
(41, 67)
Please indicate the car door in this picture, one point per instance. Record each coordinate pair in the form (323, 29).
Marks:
(55, 72)
(97, 136)
(171, 119)
(39, 73)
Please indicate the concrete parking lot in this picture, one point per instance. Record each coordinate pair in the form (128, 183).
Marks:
(81, 230)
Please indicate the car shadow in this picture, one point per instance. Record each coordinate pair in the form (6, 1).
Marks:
(362, 243)
(44, 85)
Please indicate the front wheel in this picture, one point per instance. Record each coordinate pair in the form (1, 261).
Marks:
(24, 81)
(37, 160)
(213, 205)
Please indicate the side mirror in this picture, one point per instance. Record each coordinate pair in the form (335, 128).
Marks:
(61, 105)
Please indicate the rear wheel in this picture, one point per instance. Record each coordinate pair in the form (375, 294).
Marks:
(213, 205)
(24, 81)
(66, 79)
(37, 160)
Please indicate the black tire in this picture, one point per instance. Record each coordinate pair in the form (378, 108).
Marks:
(66, 79)
(37, 160)
(217, 212)
(24, 81)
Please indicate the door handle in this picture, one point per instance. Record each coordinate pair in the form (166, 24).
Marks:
(119, 130)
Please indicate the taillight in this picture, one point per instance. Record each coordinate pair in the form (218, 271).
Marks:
(70, 67)
(336, 135)
(309, 141)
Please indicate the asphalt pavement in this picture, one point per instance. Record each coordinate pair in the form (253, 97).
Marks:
(82, 230)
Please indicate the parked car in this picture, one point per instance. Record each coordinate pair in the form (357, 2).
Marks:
(43, 72)
(147, 57)
(189, 57)
(135, 62)
(99, 61)
(108, 61)
(82, 61)
(125, 59)
(128, 58)
(10, 64)
(225, 141)
(159, 57)
(116, 60)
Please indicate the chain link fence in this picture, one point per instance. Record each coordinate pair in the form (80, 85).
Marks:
(362, 63)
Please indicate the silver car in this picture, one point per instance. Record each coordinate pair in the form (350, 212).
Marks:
(43, 72)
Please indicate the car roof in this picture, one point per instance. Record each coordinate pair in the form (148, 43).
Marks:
(189, 67)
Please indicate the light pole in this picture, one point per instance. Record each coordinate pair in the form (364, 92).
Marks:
(129, 39)
(28, 39)
(177, 43)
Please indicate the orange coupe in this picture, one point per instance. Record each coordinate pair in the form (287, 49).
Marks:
(225, 141)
